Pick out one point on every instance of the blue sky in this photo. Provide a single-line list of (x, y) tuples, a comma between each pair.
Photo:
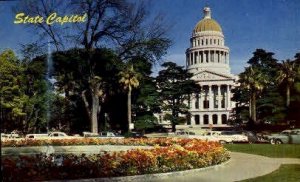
[(273, 25)]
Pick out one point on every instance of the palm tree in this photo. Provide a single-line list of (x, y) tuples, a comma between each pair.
[(287, 74), (253, 80), (130, 80)]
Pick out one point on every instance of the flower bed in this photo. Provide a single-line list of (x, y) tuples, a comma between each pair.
[(167, 155), (94, 141)]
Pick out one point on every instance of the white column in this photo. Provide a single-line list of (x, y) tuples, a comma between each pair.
[(228, 96), (204, 57), (209, 56), (190, 58), (210, 118), (200, 119), (193, 101), (201, 99), (219, 119), (219, 97), (210, 97), (215, 56), (193, 120)]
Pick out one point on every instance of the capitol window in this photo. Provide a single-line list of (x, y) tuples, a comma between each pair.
[(224, 119), (205, 119), (197, 119), (215, 119)]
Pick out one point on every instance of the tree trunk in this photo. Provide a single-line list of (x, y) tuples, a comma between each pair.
[(250, 108), (94, 114), (173, 120), (129, 109), (288, 96), (253, 108)]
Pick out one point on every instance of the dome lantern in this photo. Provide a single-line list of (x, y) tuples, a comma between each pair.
[(207, 13)]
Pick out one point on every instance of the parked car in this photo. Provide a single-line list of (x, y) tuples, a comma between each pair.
[(51, 135), (10, 136), (218, 136), (233, 136), (285, 137), (36, 136), (105, 134), (208, 136), (137, 135), (108, 134), (90, 134)]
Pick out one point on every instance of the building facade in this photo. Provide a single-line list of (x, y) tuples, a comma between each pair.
[(208, 59)]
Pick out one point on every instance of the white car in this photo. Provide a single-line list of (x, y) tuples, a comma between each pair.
[(217, 136), (10, 136), (233, 136), (52, 135), (105, 134), (208, 136), (36, 136)]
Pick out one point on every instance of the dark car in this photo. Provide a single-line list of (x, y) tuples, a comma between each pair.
[(286, 136), (137, 135)]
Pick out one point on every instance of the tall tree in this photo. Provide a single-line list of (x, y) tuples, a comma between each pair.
[(254, 81), (12, 92), (118, 24), (129, 79), (175, 85), (286, 75)]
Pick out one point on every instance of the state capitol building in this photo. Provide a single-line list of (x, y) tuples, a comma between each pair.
[(207, 59)]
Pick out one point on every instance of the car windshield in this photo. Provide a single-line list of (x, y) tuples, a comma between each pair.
[(285, 132), (295, 132)]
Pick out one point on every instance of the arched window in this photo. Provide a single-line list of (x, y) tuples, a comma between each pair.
[(224, 119), (197, 119), (205, 119), (215, 119)]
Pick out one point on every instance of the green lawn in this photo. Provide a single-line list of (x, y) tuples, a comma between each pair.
[(281, 151), (286, 173)]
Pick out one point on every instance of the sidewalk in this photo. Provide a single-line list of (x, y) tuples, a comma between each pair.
[(242, 166)]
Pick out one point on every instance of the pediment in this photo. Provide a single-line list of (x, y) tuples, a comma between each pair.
[(209, 75)]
